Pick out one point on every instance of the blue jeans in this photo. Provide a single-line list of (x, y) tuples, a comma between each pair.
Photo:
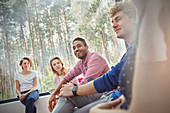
[(29, 101)]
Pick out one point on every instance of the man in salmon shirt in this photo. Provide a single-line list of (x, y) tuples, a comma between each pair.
[(91, 65)]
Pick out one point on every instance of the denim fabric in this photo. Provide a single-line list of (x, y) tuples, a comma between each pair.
[(29, 101)]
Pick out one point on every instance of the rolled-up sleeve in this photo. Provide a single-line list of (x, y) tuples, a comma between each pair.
[(108, 81), (73, 72), (96, 67)]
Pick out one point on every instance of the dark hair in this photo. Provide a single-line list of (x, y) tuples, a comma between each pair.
[(80, 39), (63, 71), (25, 58)]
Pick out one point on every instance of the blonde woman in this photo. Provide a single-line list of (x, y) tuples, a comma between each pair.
[(59, 70)]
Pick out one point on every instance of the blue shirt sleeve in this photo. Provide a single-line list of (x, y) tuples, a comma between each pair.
[(109, 81)]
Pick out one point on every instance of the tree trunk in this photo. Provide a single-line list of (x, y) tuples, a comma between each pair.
[(51, 34), (71, 58), (104, 49), (104, 45), (30, 32), (3, 76), (2, 89), (50, 45), (40, 39), (60, 36), (16, 54), (8, 52), (24, 48), (116, 46), (5, 70), (66, 47)]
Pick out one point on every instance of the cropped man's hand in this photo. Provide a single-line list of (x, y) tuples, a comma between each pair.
[(109, 105), (106, 107), (53, 105)]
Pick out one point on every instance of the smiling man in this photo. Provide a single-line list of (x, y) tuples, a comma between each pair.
[(91, 65), (80, 49)]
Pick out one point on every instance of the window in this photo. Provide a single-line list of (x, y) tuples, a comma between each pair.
[(44, 29)]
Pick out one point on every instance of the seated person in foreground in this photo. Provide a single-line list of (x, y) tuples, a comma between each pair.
[(151, 79)]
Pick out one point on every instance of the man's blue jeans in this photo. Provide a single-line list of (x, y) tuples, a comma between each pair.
[(29, 101)]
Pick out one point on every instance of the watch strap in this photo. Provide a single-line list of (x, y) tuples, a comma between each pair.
[(74, 90)]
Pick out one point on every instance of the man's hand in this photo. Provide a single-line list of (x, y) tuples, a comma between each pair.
[(103, 107), (52, 102), (109, 105), (53, 105), (66, 90)]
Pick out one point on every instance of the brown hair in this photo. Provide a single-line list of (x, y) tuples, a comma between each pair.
[(25, 58), (63, 70), (126, 6)]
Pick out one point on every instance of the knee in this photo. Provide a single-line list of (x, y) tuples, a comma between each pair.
[(59, 110), (30, 100), (33, 96), (63, 98), (61, 106)]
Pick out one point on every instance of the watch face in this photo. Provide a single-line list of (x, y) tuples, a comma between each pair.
[(74, 90)]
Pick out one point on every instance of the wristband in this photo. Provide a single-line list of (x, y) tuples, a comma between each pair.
[(74, 90)]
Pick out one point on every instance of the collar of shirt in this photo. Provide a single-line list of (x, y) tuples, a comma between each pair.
[(87, 57)]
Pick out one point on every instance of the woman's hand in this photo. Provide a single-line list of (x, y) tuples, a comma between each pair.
[(22, 97)]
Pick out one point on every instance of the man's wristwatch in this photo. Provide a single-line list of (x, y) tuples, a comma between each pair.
[(74, 90)]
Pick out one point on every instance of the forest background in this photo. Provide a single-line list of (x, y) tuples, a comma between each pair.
[(42, 29)]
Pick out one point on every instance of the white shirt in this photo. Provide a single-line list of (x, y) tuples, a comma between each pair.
[(26, 82), (61, 78)]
